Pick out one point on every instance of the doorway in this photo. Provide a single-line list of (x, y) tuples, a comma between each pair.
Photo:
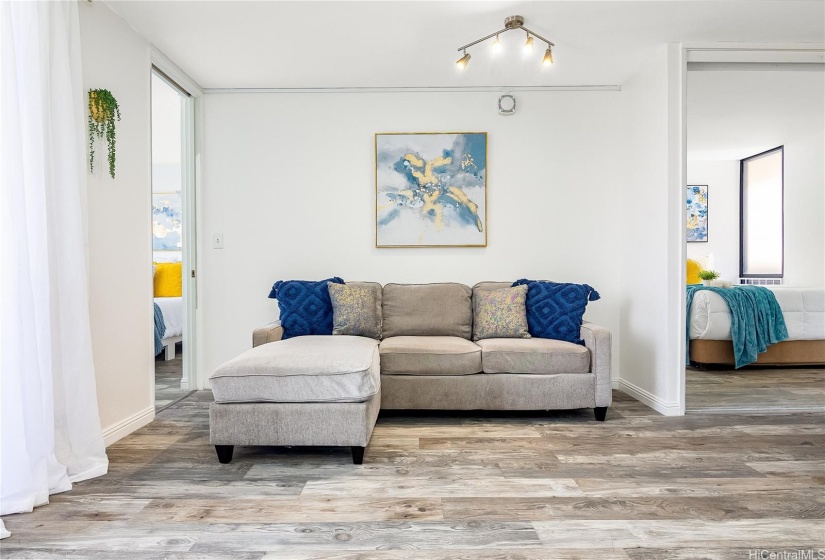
[(172, 237), (755, 144)]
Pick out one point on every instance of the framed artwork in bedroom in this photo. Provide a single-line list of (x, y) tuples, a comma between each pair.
[(697, 213), (167, 232), (431, 189)]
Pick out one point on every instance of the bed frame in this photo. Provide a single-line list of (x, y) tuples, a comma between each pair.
[(169, 347), (786, 353)]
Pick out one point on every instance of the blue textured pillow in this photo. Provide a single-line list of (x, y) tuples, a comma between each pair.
[(555, 310), (305, 306)]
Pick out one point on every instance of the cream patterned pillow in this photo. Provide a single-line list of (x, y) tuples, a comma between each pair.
[(356, 310), (500, 313)]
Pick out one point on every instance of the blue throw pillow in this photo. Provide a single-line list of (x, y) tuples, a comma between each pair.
[(305, 306), (555, 310)]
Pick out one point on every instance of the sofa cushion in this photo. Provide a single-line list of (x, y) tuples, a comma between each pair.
[(500, 313), (356, 308), (555, 310), (427, 310), (491, 286), (429, 355), (302, 369), (533, 355), (304, 305)]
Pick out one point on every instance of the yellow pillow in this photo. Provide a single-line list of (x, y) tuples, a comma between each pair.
[(169, 279), (693, 270)]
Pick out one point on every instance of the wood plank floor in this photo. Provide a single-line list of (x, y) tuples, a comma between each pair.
[(168, 374), (452, 486), (755, 390)]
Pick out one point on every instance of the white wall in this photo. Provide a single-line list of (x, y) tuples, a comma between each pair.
[(805, 210), (722, 179), (119, 229), (649, 349), (289, 181)]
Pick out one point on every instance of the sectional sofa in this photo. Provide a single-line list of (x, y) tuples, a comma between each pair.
[(328, 390)]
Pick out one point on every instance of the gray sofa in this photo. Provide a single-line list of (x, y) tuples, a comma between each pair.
[(327, 390)]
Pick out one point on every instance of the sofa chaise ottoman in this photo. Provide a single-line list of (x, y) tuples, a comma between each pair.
[(308, 390)]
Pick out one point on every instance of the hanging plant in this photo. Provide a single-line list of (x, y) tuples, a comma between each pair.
[(103, 110)]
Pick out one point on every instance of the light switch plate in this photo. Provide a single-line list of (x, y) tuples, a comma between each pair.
[(217, 241)]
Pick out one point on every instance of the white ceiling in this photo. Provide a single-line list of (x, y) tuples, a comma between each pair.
[(307, 44), (735, 114)]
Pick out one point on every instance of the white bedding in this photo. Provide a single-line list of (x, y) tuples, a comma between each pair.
[(172, 309), (803, 309)]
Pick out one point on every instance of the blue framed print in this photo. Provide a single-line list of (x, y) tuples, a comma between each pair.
[(697, 213)]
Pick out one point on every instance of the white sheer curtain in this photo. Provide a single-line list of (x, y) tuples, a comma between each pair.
[(50, 434)]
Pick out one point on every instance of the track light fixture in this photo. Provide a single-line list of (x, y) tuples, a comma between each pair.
[(511, 22), (496, 46), (461, 63), (548, 57), (528, 45)]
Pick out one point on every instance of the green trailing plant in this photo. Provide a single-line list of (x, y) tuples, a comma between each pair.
[(709, 275), (103, 111)]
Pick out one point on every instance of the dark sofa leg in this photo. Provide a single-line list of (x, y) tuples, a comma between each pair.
[(224, 453), (358, 455), (601, 413)]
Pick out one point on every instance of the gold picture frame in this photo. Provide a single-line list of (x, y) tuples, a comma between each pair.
[(431, 189)]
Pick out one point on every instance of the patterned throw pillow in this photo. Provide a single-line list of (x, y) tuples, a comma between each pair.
[(356, 310), (555, 310), (500, 313), (305, 306)]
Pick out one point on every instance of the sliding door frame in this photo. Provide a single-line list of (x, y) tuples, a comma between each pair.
[(190, 130)]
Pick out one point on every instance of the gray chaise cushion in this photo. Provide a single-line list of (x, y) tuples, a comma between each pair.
[(429, 355), (533, 355), (301, 369), (428, 310)]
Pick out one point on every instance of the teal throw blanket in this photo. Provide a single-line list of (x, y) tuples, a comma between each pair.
[(160, 329), (756, 320)]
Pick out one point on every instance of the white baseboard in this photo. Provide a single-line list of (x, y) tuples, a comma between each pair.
[(659, 405), (128, 425), (614, 383)]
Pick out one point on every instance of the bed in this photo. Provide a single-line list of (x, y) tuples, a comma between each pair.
[(172, 311), (802, 308)]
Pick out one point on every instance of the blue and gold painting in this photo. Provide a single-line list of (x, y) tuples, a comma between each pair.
[(697, 213), (431, 189), (166, 222)]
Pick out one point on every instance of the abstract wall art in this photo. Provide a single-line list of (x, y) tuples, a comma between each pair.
[(697, 213), (431, 189), (166, 222)]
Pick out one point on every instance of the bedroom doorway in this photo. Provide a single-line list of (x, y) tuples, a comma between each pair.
[(754, 176), (172, 243)]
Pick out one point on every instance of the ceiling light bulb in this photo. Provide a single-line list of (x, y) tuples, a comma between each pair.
[(528, 45), (461, 63), (548, 57), (496, 46)]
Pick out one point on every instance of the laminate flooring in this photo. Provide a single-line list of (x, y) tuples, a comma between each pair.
[(168, 374), (543, 485), (755, 390)]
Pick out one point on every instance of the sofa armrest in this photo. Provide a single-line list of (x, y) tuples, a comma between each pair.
[(598, 340), (269, 333)]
